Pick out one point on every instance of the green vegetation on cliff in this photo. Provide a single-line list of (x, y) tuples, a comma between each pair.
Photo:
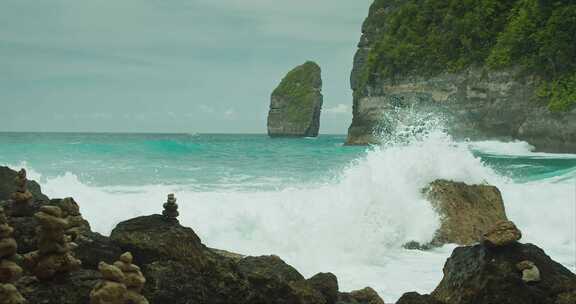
[(301, 87), (428, 37)]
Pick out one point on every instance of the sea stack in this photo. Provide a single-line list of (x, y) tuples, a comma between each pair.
[(296, 103)]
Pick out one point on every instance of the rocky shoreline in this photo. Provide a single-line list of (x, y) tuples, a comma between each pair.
[(168, 263)]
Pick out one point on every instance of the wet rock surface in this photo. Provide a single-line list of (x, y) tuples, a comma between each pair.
[(466, 211)]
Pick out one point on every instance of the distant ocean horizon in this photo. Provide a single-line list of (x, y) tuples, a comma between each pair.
[(318, 204)]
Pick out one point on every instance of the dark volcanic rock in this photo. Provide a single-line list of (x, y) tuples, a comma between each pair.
[(362, 296), (327, 285), (296, 103), (488, 275), (466, 211), (152, 238), (94, 248), (7, 186), (70, 289), (268, 267), (416, 298)]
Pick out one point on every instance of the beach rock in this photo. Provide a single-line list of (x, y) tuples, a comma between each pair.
[(466, 211), (73, 288), (327, 285), (296, 103), (8, 187), (268, 267), (502, 234), (566, 298), (77, 225), (486, 275), (362, 296), (152, 238), (416, 298)]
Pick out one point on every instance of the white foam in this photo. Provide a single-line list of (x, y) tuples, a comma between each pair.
[(354, 225)]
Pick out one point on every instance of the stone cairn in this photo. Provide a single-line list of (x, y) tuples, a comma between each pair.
[(9, 270), (121, 283), (77, 225), (133, 279), (54, 254), (21, 198), (171, 208), (111, 290)]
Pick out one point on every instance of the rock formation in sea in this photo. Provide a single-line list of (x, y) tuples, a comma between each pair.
[(54, 255), (423, 72), (505, 271), (296, 103), (466, 211), (180, 269), (10, 271)]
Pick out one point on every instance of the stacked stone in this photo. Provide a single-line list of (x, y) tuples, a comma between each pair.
[(9, 270), (111, 290), (54, 254), (133, 279), (171, 208), (77, 225), (21, 198)]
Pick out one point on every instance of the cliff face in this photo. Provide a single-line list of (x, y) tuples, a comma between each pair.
[(296, 103), (476, 101)]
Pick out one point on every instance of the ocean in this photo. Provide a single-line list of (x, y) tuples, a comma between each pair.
[(320, 205)]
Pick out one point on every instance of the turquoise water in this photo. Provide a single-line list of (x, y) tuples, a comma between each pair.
[(319, 205), (211, 161)]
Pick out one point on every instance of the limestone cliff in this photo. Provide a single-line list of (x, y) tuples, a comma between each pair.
[(296, 103), (477, 101)]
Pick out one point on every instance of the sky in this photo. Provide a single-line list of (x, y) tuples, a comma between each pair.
[(192, 66)]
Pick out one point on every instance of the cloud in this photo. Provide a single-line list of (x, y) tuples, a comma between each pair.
[(338, 109)]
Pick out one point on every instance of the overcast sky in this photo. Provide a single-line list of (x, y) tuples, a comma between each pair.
[(168, 65)]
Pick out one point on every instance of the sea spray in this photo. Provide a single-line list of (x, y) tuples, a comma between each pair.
[(353, 224)]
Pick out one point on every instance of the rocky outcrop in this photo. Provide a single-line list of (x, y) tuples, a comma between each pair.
[(466, 211), (175, 266), (296, 103), (503, 272), (476, 103), (8, 186)]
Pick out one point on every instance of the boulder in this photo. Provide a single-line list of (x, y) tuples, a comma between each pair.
[(327, 285), (296, 103), (416, 298), (71, 289), (362, 296), (502, 234), (153, 238), (466, 211), (486, 275)]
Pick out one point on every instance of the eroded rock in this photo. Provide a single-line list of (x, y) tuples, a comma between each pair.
[(501, 234), (466, 211)]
